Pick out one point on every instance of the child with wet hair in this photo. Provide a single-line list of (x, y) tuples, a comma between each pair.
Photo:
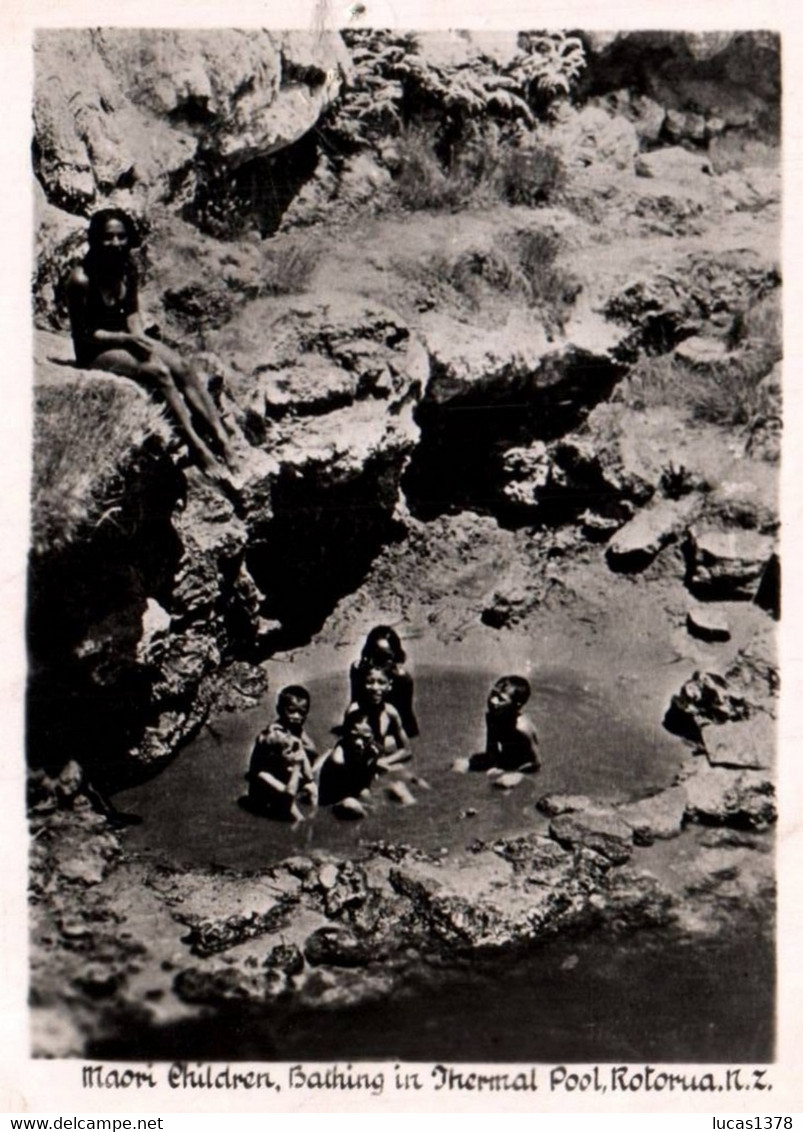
[(280, 773), (384, 648), (511, 741)]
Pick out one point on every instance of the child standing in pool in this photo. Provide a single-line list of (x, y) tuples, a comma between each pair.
[(383, 648), (511, 741), (281, 768)]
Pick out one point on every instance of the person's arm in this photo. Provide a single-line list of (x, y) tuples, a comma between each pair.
[(309, 783), (396, 732), (403, 700)]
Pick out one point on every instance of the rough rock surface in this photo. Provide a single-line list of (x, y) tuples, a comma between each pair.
[(657, 817), (327, 407), (717, 796), (120, 114), (708, 624), (728, 564), (637, 542), (742, 743)]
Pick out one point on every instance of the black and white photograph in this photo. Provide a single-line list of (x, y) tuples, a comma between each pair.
[(403, 580)]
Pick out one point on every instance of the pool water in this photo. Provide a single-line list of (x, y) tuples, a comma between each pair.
[(591, 743), (652, 996)]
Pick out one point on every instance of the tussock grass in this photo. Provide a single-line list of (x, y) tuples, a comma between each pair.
[(525, 264), (483, 171), (286, 268), (87, 437), (727, 396)]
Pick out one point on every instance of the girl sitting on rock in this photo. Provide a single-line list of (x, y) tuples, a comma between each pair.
[(383, 649), (107, 333)]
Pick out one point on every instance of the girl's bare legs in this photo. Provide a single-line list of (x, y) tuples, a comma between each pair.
[(196, 393), (157, 375)]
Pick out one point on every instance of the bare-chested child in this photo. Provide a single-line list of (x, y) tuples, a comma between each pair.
[(383, 718), (281, 768), (511, 741)]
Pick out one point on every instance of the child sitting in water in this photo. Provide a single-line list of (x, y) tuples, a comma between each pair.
[(511, 743), (384, 720), (280, 772), (351, 766), (383, 648)]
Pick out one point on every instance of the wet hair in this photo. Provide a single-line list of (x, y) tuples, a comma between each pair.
[(98, 222), (517, 686), (292, 692), (383, 633)]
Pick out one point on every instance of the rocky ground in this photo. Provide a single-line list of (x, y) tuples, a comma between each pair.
[(589, 471)]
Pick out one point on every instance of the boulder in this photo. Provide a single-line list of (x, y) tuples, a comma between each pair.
[(657, 817), (593, 136), (672, 163), (509, 780), (741, 743), (602, 831), (765, 439), (636, 543), (708, 624), (728, 564), (707, 697), (648, 118), (706, 355), (507, 605), (717, 796), (336, 947), (598, 528), (554, 804)]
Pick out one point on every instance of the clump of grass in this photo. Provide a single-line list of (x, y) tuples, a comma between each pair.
[(86, 438), (728, 398), (525, 264), (287, 268), (484, 169), (421, 180), (726, 395), (530, 174), (550, 287)]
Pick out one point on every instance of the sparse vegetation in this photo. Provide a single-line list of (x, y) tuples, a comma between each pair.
[(461, 134), (287, 267), (87, 437), (677, 481), (526, 265), (485, 169), (726, 395)]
